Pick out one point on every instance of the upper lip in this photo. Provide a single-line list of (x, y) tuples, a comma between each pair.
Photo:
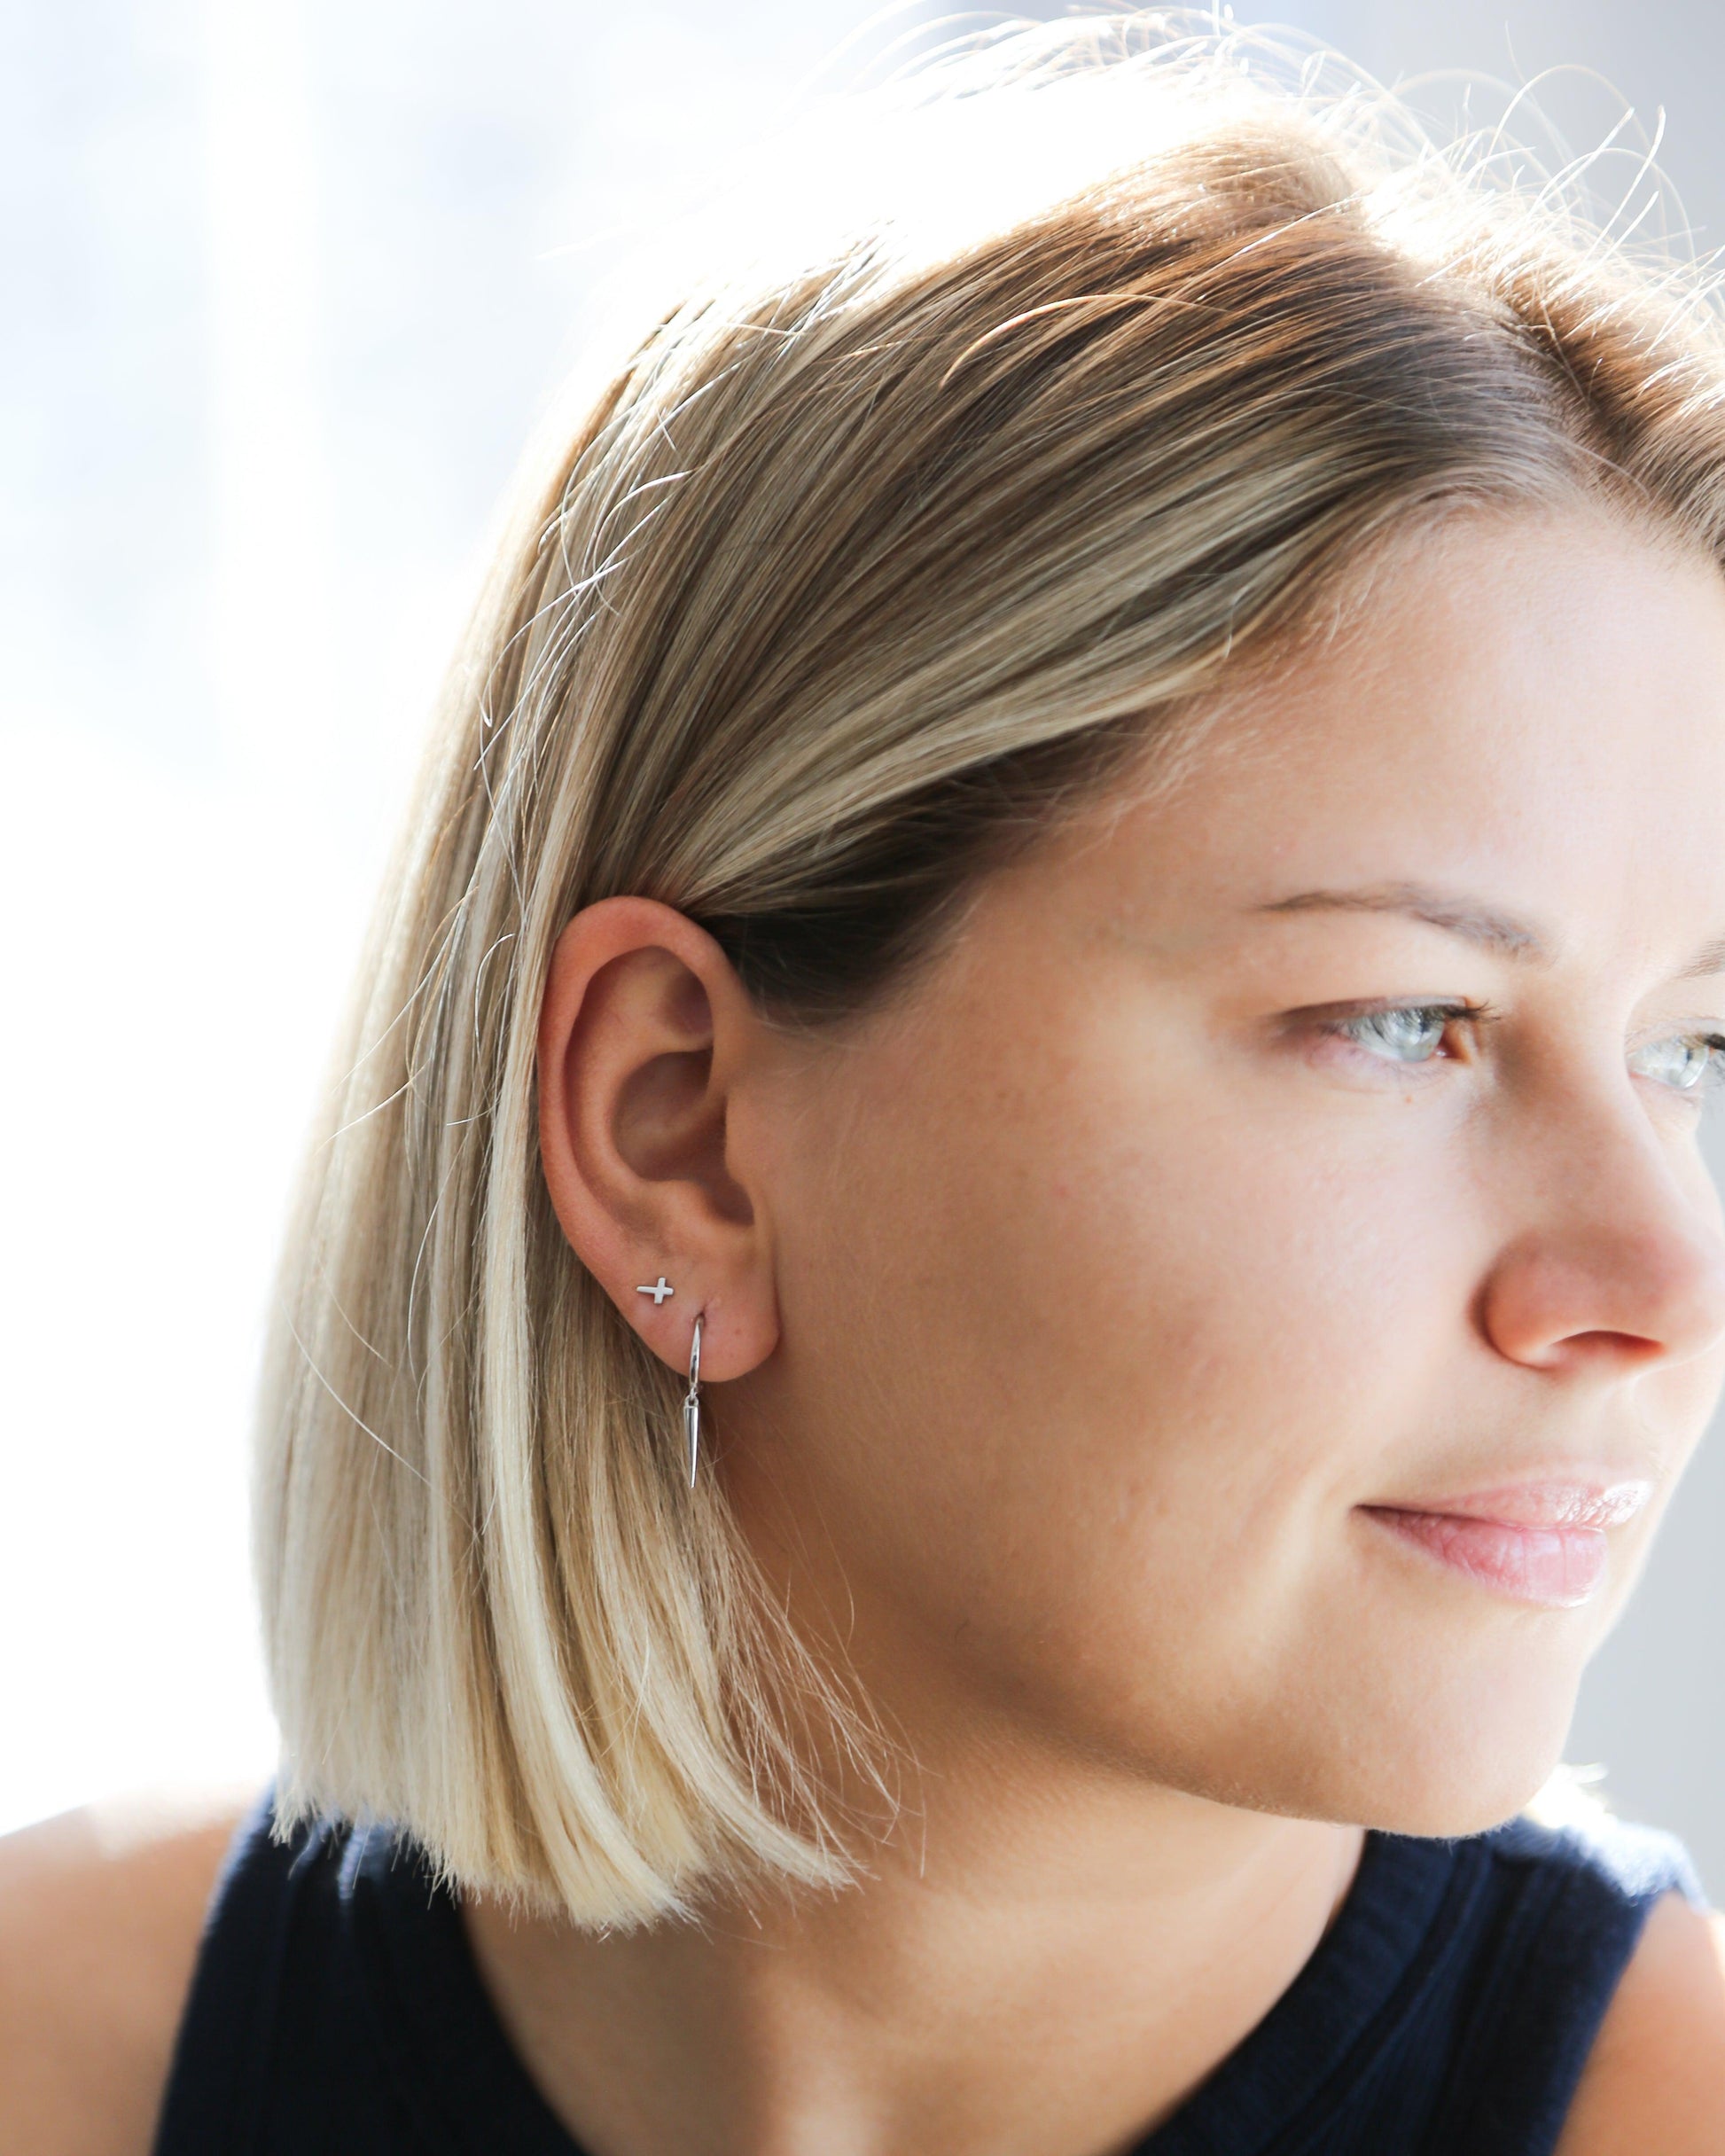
[(1551, 1503)]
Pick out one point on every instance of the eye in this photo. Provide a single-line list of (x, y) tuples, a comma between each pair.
[(1686, 1062), (1405, 1033)]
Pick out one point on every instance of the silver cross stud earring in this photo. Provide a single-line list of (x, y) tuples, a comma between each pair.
[(657, 1290)]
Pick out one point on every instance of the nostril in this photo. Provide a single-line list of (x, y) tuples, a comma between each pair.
[(1600, 1306), (1618, 1347)]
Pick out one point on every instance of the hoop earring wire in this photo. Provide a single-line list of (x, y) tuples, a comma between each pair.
[(691, 1404)]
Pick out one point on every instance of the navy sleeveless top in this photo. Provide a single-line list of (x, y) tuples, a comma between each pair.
[(336, 2009)]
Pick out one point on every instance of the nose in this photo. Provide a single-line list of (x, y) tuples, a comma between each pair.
[(1622, 1263)]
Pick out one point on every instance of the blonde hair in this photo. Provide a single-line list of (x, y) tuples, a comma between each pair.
[(856, 576)]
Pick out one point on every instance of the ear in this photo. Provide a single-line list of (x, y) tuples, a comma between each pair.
[(644, 1033)]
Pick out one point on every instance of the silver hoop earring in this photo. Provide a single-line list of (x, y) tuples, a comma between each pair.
[(691, 1404)]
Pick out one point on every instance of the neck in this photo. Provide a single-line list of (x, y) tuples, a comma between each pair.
[(1044, 1973)]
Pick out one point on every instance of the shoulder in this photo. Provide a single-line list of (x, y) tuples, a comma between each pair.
[(1655, 2078), (100, 1915)]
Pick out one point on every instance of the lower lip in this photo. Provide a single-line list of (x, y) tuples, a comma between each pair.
[(1552, 1568)]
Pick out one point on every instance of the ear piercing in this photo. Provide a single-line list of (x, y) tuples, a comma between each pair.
[(691, 1404), (691, 1400)]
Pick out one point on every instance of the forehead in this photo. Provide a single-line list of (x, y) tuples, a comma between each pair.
[(1534, 705)]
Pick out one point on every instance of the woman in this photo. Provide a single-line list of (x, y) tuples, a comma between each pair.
[(1012, 1258)]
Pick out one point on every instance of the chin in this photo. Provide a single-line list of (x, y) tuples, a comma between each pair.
[(1448, 1780), (1445, 1759), (1452, 1730), (1460, 1806)]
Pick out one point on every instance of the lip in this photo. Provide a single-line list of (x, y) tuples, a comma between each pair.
[(1542, 1543)]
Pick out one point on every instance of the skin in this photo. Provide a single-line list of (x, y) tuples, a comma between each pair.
[(1070, 1318), (99, 1916)]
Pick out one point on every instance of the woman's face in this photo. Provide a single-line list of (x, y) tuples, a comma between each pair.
[(1243, 1313)]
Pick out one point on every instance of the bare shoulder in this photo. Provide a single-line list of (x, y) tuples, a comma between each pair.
[(100, 1914), (1656, 2078)]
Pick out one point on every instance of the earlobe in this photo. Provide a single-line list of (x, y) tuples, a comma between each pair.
[(644, 1034)]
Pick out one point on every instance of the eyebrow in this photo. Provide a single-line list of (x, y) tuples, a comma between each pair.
[(1454, 912), (1709, 960), (1473, 919)]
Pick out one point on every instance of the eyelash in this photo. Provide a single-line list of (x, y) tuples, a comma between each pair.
[(1714, 1077), (1473, 1015), (1478, 1015)]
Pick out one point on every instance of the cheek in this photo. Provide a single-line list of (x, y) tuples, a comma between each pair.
[(1119, 1335), (1104, 1355)]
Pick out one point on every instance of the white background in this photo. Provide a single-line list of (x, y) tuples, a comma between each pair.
[(283, 288)]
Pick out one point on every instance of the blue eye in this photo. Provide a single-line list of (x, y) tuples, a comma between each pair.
[(1411, 1033), (1685, 1061)]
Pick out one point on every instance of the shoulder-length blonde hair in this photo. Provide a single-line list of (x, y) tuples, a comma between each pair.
[(855, 578)]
